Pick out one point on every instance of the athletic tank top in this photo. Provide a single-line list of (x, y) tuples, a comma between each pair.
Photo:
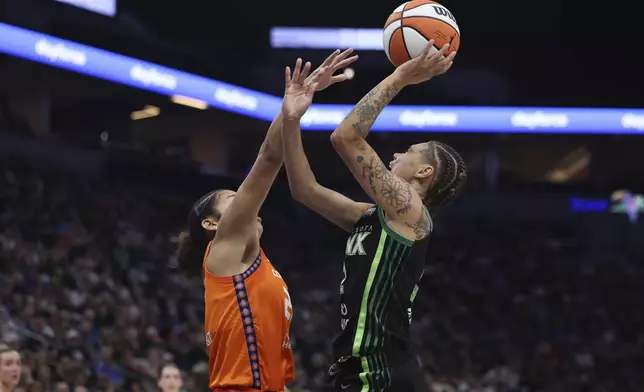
[(247, 323), (382, 270)]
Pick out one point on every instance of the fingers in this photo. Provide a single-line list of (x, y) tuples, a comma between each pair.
[(428, 49), (344, 63), (329, 60), (305, 72), (442, 51), (312, 88), (343, 55), (287, 76), (317, 76), (296, 70), (338, 78)]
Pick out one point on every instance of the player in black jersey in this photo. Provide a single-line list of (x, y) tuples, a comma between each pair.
[(386, 249)]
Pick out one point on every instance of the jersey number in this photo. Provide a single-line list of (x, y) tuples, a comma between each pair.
[(288, 307)]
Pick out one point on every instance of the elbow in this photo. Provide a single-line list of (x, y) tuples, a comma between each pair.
[(337, 139), (341, 140)]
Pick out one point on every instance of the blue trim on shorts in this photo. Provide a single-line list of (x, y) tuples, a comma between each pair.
[(247, 320)]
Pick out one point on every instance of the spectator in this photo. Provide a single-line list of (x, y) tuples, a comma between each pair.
[(507, 306), (10, 368)]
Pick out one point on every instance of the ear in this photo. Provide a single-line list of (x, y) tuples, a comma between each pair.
[(209, 224), (424, 172)]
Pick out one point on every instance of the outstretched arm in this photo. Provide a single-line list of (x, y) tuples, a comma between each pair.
[(395, 195), (254, 189), (335, 207)]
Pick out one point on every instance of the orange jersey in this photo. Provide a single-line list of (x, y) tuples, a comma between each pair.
[(247, 323)]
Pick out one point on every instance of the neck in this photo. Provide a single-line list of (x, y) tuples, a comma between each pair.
[(5, 387), (420, 186)]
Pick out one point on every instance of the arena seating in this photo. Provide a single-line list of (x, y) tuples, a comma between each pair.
[(89, 296)]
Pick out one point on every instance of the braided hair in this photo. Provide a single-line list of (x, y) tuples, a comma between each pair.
[(449, 179), (195, 239)]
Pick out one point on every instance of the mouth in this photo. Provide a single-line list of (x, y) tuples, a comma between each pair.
[(391, 164)]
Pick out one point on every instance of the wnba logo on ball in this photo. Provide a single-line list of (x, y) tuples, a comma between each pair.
[(444, 12)]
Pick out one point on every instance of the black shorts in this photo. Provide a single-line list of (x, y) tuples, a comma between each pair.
[(380, 373)]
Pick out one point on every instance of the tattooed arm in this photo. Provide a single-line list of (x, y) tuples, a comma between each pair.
[(401, 203)]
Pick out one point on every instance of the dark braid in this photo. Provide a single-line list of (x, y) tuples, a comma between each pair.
[(449, 179)]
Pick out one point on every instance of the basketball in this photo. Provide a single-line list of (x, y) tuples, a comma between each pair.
[(413, 24)]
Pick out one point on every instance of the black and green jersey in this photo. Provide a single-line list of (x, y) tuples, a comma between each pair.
[(382, 270)]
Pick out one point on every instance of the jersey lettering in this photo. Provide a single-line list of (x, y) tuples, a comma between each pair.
[(286, 343), (354, 244), (276, 274), (288, 307), (208, 339)]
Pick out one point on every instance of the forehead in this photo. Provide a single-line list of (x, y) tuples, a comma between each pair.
[(224, 197), (170, 371), (10, 355), (418, 147), (225, 194)]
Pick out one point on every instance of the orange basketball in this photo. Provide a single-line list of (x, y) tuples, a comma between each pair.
[(413, 24)]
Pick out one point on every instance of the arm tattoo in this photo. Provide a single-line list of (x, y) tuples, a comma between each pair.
[(395, 192), (370, 106), (422, 227)]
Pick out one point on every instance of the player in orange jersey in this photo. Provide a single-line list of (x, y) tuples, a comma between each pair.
[(248, 307)]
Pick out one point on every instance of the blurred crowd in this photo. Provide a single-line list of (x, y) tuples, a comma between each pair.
[(90, 299)]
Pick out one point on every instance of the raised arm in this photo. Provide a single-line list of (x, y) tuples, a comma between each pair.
[(395, 195), (254, 189), (332, 205)]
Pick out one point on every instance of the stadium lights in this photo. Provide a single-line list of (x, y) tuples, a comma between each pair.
[(190, 102), (144, 75), (147, 112)]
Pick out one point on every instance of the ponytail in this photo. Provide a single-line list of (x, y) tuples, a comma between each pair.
[(193, 242)]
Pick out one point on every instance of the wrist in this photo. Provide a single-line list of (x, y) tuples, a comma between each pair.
[(398, 79), (291, 118)]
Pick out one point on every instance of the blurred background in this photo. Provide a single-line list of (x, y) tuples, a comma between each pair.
[(116, 114)]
